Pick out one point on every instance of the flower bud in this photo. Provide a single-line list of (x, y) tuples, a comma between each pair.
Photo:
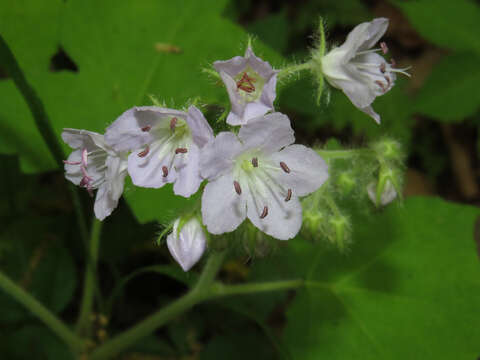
[(187, 242), (346, 182), (340, 231), (388, 150), (381, 193)]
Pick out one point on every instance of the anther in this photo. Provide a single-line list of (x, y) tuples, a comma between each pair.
[(264, 212), (237, 187), (383, 68), (165, 171), (181, 150), (246, 83), (146, 128), (393, 62), (255, 162), (284, 167), (173, 123), (384, 47), (144, 152), (382, 85), (289, 195)]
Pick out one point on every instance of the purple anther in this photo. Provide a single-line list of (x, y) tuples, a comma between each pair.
[(237, 187), (264, 212)]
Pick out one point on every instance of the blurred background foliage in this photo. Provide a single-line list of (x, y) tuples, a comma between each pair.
[(409, 286)]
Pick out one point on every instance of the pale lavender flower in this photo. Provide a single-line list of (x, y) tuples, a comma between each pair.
[(188, 244), (259, 175), (165, 143), (358, 70), (95, 165), (251, 86)]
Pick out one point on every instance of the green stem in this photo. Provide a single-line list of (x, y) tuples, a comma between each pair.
[(220, 290), (42, 122), (83, 323), (293, 69), (42, 313), (199, 293), (344, 154)]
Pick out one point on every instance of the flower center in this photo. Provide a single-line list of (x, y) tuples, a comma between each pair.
[(249, 84), (259, 176)]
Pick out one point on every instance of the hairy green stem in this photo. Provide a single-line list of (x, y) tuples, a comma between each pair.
[(42, 313), (83, 323), (40, 117), (293, 69), (344, 154), (199, 293)]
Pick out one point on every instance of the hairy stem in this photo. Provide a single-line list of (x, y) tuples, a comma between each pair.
[(42, 313), (199, 293), (220, 290), (86, 306)]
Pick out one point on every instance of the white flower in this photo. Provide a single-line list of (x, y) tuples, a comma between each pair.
[(187, 245), (358, 70), (388, 195), (250, 84), (95, 165), (259, 175), (165, 143)]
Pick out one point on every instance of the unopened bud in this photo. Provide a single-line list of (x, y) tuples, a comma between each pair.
[(388, 150), (381, 193), (346, 182), (187, 242), (340, 231)]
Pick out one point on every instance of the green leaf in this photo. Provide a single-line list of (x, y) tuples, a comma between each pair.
[(451, 24), (451, 90), (409, 289), (37, 260), (121, 51)]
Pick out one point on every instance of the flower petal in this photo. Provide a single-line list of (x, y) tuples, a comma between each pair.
[(104, 202), (263, 68), (370, 112), (231, 67), (147, 171), (201, 130), (74, 172), (268, 133), (223, 210), (83, 139), (115, 175), (307, 170), (217, 156), (188, 172), (363, 37), (283, 220), (188, 246), (126, 134)]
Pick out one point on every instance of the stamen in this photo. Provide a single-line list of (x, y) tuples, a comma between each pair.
[(181, 150), (146, 128), (388, 80), (382, 85), (165, 171), (284, 167), (384, 47), (246, 83), (84, 157), (144, 152), (289, 195), (237, 187), (383, 68), (393, 62), (255, 162), (72, 162), (173, 123), (264, 212)]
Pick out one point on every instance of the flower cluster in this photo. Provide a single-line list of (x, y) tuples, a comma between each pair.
[(254, 172)]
